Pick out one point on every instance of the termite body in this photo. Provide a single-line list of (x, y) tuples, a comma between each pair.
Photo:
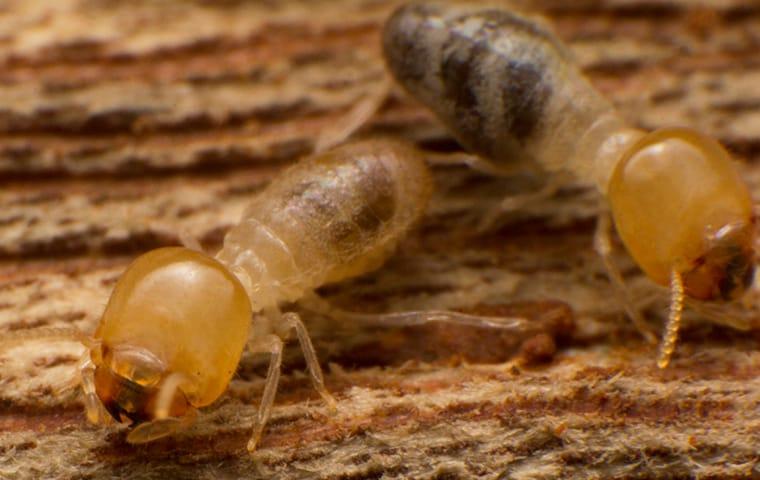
[(177, 322), (508, 90)]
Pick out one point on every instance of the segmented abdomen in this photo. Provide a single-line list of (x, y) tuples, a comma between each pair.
[(328, 217), (502, 83)]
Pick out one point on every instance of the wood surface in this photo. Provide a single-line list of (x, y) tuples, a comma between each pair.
[(125, 123)]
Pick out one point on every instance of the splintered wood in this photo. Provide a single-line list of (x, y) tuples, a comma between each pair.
[(123, 124)]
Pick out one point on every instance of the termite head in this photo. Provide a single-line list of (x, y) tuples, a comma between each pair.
[(681, 207), (128, 382), (168, 342)]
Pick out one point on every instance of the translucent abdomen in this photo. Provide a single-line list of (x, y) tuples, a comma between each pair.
[(502, 83), (329, 217)]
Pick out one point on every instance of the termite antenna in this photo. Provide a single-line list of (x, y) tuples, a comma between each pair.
[(670, 336), (66, 334)]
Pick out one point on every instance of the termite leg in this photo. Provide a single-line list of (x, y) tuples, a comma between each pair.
[(189, 241), (317, 304), (355, 119), (292, 320), (94, 409), (603, 247), (84, 366), (474, 162), (737, 316), (271, 344), (66, 334), (490, 220), (670, 337), (67, 385)]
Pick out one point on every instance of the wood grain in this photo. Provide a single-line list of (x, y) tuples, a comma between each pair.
[(125, 123)]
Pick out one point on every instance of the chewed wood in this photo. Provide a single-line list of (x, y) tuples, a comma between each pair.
[(111, 143)]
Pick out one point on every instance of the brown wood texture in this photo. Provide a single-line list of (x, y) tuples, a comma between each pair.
[(123, 123)]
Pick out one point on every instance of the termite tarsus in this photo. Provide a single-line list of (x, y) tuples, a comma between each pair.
[(508, 90), (177, 321)]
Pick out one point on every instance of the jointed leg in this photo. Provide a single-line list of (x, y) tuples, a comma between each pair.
[(411, 318), (474, 162), (603, 247), (516, 202), (72, 383), (670, 337), (67, 334), (292, 320), (271, 344), (738, 316), (188, 240), (356, 118), (94, 409)]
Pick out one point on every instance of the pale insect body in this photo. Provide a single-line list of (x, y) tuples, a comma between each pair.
[(178, 320), (508, 90), (327, 219)]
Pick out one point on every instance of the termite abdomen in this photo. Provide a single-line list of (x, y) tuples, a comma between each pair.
[(332, 216), (497, 80)]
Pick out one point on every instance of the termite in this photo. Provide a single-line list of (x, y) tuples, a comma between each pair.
[(509, 91), (177, 322)]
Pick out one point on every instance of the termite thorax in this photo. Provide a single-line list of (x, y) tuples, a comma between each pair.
[(601, 148), (262, 262)]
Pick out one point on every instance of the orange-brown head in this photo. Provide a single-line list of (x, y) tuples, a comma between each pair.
[(680, 206), (170, 338)]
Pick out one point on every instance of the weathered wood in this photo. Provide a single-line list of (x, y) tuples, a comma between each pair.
[(122, 123)]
